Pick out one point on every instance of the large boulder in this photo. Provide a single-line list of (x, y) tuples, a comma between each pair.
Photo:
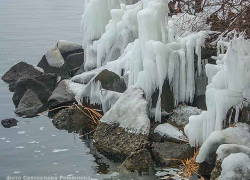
[(42, 92), (8, 123), (167, 153), (73, 120), (61, 96), (20, 70), (125, 127), (30, 105), (55, 59)]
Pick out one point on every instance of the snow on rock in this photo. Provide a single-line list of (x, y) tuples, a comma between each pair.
[(54, 57), (236, 166), (130, 112), (226, 149), (169, 131), (228, 80), (66, 46), (240, 135), (182, 113)]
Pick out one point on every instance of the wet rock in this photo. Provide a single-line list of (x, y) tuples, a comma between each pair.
[(164, 153), (167, 99), (29, 105), (116, 143), (111, 81), (20, 70), (12, 87), (206, 168), (73, 120), (42, 92), (139, 161), (8, 123), (61, 96), (167, 132), (181, 115)]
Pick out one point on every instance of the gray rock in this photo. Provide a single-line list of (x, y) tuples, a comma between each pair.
[(140, 161), (200, 90), (164, 153), (73, 120), (61, 96), (116, 143), (8, 123), (42, 92), (167, 99), (111, 81), (29, 105), (181, 115), (75, 60), (20, 70)]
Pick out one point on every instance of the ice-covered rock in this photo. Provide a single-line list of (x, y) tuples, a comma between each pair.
[(234, 135), (181, 114), (125, 127), (223, 152), (168, 132), (20, 70), (236, 166)]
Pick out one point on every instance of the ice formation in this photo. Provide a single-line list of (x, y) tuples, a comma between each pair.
[(235, 166), (130, 111), (228, 79), (135, 40), (239, 135), (170, 131)]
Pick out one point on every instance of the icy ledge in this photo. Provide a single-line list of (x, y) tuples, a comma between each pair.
[(130, 112)]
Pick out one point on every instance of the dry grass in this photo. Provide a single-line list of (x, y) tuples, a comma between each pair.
[(188, 166), (94, 115)]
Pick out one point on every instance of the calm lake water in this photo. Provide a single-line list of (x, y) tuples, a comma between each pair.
[(35, 147)]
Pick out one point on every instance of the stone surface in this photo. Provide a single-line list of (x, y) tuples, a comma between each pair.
[(140, 161), (8, 123), (61, 96), (116, 143), (29, 105), (111, 81), (167, 99), (20, 70), (42, 92), (164, 153), (181, 115), (205, 168), (73, 120), (200, 90), (216, 171)]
